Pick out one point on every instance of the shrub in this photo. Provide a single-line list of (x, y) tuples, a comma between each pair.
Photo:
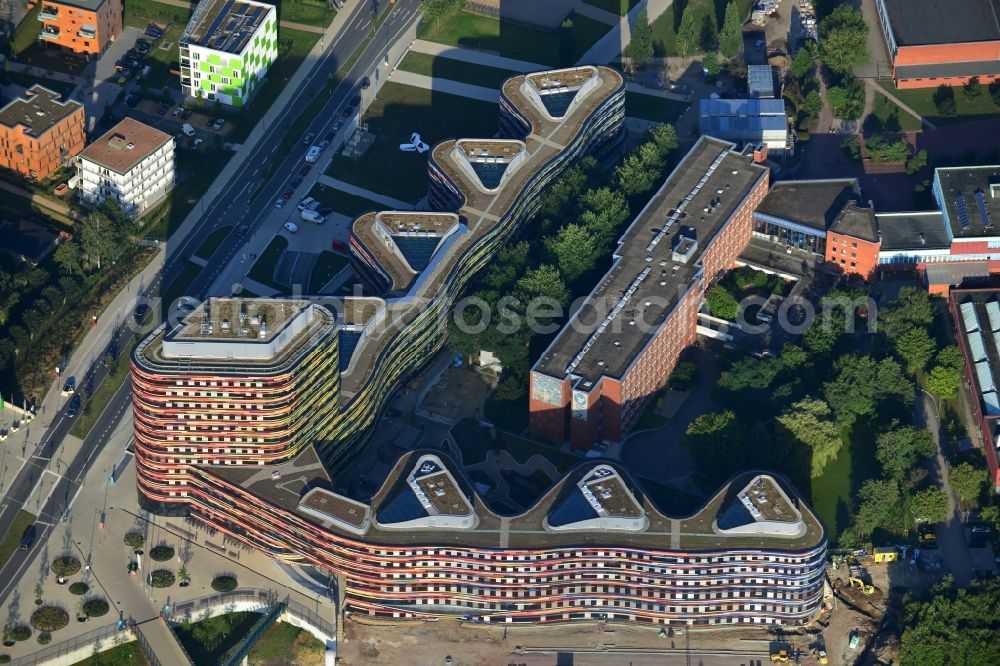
[(134, 539), (79, 589), (96, 607), (224, 583), (162, 578), (67, 565), (161, 553), (18, 633), (4, 658), (944, 101), (684, 376), (44, 638), (49, 618)]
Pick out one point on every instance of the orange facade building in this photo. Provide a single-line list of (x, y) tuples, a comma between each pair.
[(853, 242), (933, 43), (38, 132), (81, 26)]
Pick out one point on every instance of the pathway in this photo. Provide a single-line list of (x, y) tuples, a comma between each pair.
[(42, 201), (596, 13), (284, 24), (610, 46), (474, 57), (361, 192), (436, 84), (656, 92), (873, 84)]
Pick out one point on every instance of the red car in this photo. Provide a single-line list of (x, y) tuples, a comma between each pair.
[(305, 170)]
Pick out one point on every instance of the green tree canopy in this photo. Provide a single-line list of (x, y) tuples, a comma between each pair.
[(605, 211), (930, 504), (435, 10), (952, 627), (543, 282), (915, 347), (812, 104), (69, 257), (950, 357), (575, 251), (804, 63), (721, 303), (844, 39), (731, 35), (687, 33), (879, 507), (716, 444), (640, 48), (944, 381), (912, 308), (900, 450), (968, 481), (837, 98), (809, 420)]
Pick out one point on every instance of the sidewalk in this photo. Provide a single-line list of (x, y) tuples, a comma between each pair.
[(596, 13), (474, 57), (491, 95), (655, 92), (610, 46), (396, 204), (44, 202)]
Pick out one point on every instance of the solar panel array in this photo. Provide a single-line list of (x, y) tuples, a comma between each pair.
[(984, 212), (963, 212)]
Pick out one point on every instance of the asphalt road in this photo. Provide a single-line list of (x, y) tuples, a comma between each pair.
[(229, 208)]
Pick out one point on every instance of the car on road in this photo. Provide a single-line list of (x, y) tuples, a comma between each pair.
[(323, 144), (291, 227), (306, 202), (296, 182), (163, 108), (69, 387), (308, 138), (304, 171), (337, 124), (73, 406), (365, 82), (28, 536), (178, 111), (141, 312)]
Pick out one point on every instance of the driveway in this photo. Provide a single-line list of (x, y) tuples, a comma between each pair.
[(105, 89), (879, 60)]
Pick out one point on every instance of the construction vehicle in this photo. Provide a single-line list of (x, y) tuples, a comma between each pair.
[(854, 639), (820, 656), (862, 585), (780, 656)]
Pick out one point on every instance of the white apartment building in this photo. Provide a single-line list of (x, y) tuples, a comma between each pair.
[(132, 162), (226, 49)]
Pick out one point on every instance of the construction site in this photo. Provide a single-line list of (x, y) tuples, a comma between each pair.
[(847, 630)]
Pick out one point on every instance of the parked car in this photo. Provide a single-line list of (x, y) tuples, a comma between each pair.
[(356, 100), (337, 124), (280, 201), (365, 82), (313, 154), (312, 216), (69, 387), (131, 100), (306, 201), (197, 142), (163, 108), (187, 129), (154, 31), (323, 210), (287, 194), (296, 182), (304, 171), (308, 138), (348, 111), (323, 144), (186, 114), (177, 112), (218, 123), (143, 46), (292, 227), (73, 406)]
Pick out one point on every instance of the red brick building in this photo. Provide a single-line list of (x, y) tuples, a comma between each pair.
[(39, 132), (852, 241), (933, 43), (617, 351)]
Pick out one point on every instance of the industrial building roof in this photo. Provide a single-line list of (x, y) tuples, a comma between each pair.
[(225, 25), (655, 263), (908, 231), (923, 22), (762, 81), (811, 203), (948, 69), (971, 199), (125, 145), (980, 310), (38, 111), (857, 222)]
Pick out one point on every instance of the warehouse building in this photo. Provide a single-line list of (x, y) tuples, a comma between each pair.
[(747, 121)]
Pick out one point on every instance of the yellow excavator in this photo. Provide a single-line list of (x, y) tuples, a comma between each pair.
[(780, 656), (820, 656), (862, 585)]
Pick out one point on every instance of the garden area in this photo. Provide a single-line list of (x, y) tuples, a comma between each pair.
[(947, 106), (126, 654), (284, 644), (310, 12), (397, 111), (558, 48), (209, 639)]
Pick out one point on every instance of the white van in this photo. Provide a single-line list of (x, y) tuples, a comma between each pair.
[(313, 154), (187, 129), (312, 216)]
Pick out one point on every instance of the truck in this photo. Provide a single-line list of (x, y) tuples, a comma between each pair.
[(309, 215), (28, 537)]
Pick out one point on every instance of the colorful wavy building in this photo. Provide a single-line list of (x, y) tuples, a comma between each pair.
[(243, 410)]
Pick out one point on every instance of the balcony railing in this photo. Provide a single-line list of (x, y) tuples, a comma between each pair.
[(88, 31), (49, 33), (48, 13)]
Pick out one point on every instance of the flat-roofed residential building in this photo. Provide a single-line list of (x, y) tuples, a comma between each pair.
[(618, 349), (39, 133), (755, 121), (933, 43), (132, 163), (81, 26), (226, 50)]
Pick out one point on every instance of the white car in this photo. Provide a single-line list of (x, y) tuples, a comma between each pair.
[(313, 154), (291, 227), (306, 202)]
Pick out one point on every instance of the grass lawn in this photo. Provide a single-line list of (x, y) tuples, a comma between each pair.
[(206, 641), (27, 31), (196, 173), (95, 405), (887, 117), (13, 206), (509, 415), (512, 40), (651, 107), (284, 643), (620, 7), (521, 449), (399, 110), (833, 492), (126, 654), (921, 100), (455, 70), (310, 12), (263, 269), (213, 242), (327, 266), (39, 55), (350, 205), (12, 540)]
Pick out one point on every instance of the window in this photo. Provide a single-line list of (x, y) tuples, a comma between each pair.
[(854, 244)]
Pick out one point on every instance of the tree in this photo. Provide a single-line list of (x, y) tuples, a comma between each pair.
[(664, 137), (950, 357), (878, 508), (837, 97), (101, 237), (575, 251), (915, 347), (716, 444), (68, 256), (804, 63), (605, 211), (968, 481), (901, 449), (640, 48), (949, 626), (994, 89), (861, 384), (435, 10), (731, 35), (973, 89), (687, 33), (916, 162), (944, 381), (820, 339), (812, 105), (543, 282), (929, 504), (711, 64), (809, 420), (944, 101), (721, 303), (844, 39), (912, 307)]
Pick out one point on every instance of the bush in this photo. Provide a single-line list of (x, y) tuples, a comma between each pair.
[(684, 376), (134, 539), (224, 583), (67, 565), (96, 607), (722, 304), (4, 658), (79, 589), (851, 146), (18, 633), (162, 578), (49, 618), (161, 553), (944, 101), (44, 638)]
